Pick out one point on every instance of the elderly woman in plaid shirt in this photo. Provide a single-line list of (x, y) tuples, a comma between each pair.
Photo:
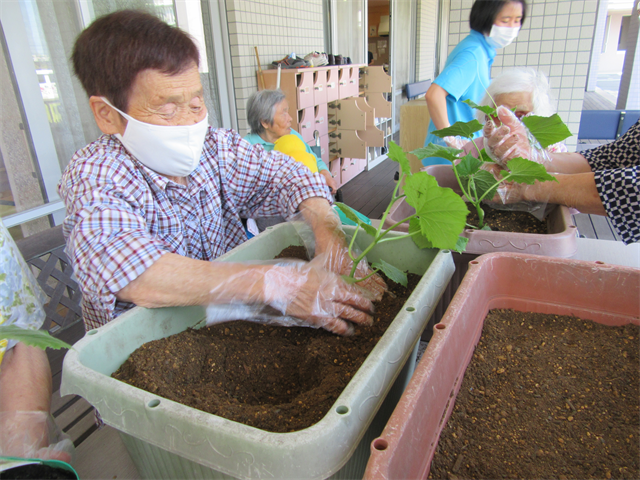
[(161, 194)]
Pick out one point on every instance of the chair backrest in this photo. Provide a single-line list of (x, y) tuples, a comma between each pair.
[(606, 124), (413, 90), (44, 252)]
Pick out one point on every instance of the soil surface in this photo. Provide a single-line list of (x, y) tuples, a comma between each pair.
[(545, 396), (275, 378), (37, 471), (507, 221)]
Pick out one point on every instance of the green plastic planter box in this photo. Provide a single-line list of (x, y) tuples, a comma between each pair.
[(169, 440)]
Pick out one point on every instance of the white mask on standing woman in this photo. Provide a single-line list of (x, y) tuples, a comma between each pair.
[(500, 37), (172, 150)]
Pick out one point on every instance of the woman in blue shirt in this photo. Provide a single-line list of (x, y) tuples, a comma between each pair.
[(467, 72)]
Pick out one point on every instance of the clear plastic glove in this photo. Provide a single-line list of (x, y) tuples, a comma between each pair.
[(294, 293), (456, 142), (34, 435), (511, 139), (335, 253)]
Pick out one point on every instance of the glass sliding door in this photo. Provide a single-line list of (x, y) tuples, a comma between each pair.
[(45, 112), (348, 29)]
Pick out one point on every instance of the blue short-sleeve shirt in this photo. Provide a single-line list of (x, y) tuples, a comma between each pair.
[(466, 75)]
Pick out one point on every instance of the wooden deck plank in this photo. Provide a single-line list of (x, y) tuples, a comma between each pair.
[(103, 455), (595, 101), (371, 190), (585, 228), (604, 229)]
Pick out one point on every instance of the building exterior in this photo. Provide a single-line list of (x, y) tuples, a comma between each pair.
[(45, 113)]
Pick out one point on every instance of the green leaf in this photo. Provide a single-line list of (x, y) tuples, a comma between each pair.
[(461, 244), (419, 239), (34, 338), (350, 214), (462, 129), (433, 150), (484, 109), (547, 130), (485, 181), (468, 165), (397, 155), (526, 171), (484, 157), (442, 212), (392, 272)]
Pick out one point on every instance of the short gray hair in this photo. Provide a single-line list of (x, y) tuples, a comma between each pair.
[(261, 107), (521, 80)]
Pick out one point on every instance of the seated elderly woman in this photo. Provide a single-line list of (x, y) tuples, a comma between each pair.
[(524, 91), (270, 122), (269, 119)]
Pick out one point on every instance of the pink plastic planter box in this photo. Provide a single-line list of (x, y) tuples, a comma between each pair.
[(603, 293), (560, 242)]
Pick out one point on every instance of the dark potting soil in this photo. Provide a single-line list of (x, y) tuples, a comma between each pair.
[(508, 221), (275, 378), (545, 396), (36, 471)]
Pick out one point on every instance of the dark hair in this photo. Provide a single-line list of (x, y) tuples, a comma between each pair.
[(109, 53), (484, 13)]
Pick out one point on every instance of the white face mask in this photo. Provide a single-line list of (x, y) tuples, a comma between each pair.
[(172, 150), (500, 37)]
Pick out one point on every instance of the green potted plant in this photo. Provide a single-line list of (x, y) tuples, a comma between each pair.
[(467, 176)]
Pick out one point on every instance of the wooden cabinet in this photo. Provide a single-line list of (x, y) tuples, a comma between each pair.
[(344, 104)]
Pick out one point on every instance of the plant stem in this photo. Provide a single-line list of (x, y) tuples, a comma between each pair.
[(394, 199), (373, 272), (391, 239)]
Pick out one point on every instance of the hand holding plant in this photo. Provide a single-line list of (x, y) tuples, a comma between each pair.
[(506, 142)]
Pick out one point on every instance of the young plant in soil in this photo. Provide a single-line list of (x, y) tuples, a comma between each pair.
[(439, 219), (478, 184)]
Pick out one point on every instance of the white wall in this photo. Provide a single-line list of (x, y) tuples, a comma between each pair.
[(277, 28), (555, 39)]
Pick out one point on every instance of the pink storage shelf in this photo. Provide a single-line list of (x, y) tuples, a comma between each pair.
[(603, 293), (560, 242)]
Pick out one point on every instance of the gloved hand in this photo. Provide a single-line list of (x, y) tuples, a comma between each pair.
[(456, 141), (34, 435), (297, 292), (330, 243), (507, 138)]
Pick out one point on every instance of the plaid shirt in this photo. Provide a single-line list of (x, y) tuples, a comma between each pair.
[(122, 216)]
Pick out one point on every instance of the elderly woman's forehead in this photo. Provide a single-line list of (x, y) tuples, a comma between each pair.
[(513, 99)]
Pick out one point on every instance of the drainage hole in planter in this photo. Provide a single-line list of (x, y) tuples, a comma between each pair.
[(92, 332), (440, 326), (446, 251), (380, 444), (598, 262), (473, 262), (342, 410), (153, 403), (410, 309)]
